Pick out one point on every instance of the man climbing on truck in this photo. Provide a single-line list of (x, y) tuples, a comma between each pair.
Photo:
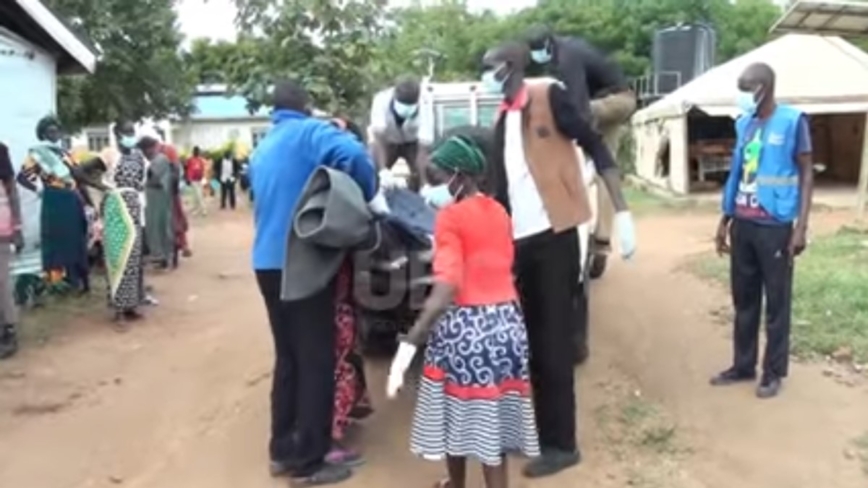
[(395, 128)]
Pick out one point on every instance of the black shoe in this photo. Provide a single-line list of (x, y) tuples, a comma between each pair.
[(327, 475), (769, 388), (731, 376), (8, 341), (551, 462)]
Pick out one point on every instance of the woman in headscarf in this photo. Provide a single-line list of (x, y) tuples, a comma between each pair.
[(352, 402), (63, 222), (159, 230), (122, 213), (474, 395)]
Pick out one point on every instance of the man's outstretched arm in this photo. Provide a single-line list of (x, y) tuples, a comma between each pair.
[(571, 124)]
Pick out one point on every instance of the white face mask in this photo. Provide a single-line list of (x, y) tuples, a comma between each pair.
[(541, 56), (747, 101), (438, 196), (492, 83), (404, 110), (128, 141)]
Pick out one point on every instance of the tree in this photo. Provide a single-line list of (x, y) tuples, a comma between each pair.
[(624, 28), (328, 45), (140, 72)]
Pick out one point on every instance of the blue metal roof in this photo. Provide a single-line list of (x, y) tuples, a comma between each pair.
[(219, 106)]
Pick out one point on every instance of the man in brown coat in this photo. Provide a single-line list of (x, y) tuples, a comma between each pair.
[(536, 175)]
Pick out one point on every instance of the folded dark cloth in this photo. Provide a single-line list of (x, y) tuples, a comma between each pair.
[(410, 213)]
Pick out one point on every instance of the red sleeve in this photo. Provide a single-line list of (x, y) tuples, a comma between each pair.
[(448, 252)]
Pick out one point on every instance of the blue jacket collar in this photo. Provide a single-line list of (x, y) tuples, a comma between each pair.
[(279, 115)]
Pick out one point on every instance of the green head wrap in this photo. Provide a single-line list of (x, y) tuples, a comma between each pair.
[(459, 154)]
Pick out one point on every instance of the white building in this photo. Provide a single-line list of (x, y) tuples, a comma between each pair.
[(219, 118), (35, 47)]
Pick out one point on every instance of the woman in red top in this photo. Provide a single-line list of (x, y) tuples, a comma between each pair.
[(474, 395)]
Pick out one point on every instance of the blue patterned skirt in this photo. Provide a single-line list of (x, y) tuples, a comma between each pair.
[(474, 396)]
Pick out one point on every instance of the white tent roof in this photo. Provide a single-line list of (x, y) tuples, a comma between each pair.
[(815, 73)]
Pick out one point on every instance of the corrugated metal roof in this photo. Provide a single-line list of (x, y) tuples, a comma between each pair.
[(827, 17), (817, 74), (213, 106)]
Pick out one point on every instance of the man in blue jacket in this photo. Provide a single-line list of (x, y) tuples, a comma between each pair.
[(302, 394), (766, 202)]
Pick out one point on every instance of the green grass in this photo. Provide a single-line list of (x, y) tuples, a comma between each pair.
[(644, 202), (40, 323), (830, 304)]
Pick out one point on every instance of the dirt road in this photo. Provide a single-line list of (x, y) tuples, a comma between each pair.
[(181, 400)]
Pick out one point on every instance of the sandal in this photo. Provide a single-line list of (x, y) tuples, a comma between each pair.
[(339, 456), (327, 475)]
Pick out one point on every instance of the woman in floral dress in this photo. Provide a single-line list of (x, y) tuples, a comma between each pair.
[(122, 224), (352, 402)]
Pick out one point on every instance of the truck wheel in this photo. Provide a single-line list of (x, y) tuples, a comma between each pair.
[(598, 265)]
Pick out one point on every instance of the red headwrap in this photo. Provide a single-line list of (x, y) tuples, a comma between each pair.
[(170, 152)]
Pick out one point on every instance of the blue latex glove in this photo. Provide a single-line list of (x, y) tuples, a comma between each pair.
[(626, 234)]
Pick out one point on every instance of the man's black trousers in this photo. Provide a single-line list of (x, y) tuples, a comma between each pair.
[(227, 192), (547, 268), (760, 265), (303, 389)]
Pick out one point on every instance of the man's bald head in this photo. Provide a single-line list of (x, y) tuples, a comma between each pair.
[(515, 55), (407, 90), (539, 36), (756, 76), (759, 80), (290, 95)]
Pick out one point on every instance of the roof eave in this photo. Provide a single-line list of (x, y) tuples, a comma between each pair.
[(84, 57)]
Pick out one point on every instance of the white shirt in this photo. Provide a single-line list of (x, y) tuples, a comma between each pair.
[(226, 171), (529, 215), (384, 123)]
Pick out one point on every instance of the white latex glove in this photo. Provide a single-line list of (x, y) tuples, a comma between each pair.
[(388, 180), (378, 204), (626, 233), (403, 358)]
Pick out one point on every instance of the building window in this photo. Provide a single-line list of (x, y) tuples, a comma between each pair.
[(97, 141), (257, 135), (66, 143)]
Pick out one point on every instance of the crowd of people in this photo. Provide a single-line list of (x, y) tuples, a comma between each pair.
[(498, 374), (498, 371), (119, 211)]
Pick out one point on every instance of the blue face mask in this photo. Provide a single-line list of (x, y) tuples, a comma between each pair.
[(491, 84), (541, 56), (404, 110), (128, 142), (746, 101)]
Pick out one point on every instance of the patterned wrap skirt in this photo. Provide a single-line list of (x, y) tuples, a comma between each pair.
[(474, 397)]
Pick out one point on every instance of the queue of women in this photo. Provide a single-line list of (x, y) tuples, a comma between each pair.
[(139, 181)]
